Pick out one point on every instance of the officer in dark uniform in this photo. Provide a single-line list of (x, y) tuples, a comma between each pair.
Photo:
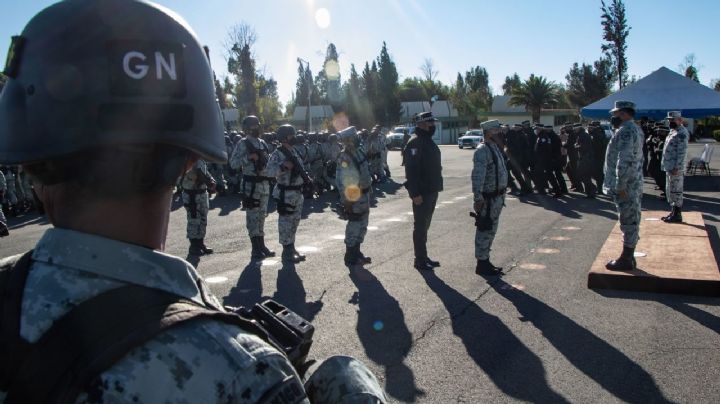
[(599, 143), (586, 160), (423, 171), (556, 163)]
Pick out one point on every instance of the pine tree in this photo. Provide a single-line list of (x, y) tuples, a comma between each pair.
[(388, 89)]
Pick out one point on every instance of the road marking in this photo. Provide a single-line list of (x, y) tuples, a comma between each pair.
[(652, 219), (546, 250), (639, 254), (560, 238), (409, 213), (267, 263), (459, 198), (216, 279), (448, 202), (372, 228), (307, 249), (511, 198), (395, 219), (532, 266), (571, 228), (338, 237)]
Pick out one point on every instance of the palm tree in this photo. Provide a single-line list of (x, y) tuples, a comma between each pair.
[(534, 94)]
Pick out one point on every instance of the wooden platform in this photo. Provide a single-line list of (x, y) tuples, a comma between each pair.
[(671, 258)]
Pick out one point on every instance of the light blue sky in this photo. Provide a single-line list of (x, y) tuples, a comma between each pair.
[(504, 36)]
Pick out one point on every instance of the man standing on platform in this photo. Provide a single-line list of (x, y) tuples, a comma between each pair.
[(673, 163), (624, 180)]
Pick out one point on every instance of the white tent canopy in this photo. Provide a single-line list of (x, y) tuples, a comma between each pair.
[(661, 91)]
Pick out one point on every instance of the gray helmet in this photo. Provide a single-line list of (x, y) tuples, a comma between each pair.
[(285, 132), (348, 134), (88, 74), (249, 123)]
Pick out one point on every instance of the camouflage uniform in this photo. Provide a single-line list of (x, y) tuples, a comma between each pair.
[(374, 153), (623, 172), (315, 161), (673, 158), (353, 183), (195, 199), (489, 181), (3, 191), (255, 189), (191, 362), (10, 191), (331, 151), (217, 170), (290, 201)]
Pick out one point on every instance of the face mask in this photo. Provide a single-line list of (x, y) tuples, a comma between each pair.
[(615, 122), (673, 125)]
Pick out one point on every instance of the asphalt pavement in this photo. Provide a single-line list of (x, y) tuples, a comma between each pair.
[(536, 334)]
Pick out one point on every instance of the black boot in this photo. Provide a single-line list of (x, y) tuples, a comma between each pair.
[(263, 248), (352, 257), (195, 248), (256, 253), (205, 249), (422, 264), (626, 261), (365, 260), (669, 215), (4, 230), (485, 268), (675, 217), (288, 254), (297, 255)]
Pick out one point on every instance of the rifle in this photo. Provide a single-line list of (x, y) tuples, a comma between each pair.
[(262, 159), (298, 169)]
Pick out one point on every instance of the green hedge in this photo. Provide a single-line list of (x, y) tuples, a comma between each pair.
[(716, 135)]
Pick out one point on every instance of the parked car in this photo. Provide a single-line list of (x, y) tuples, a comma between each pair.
[(471, 138), (396, 138)]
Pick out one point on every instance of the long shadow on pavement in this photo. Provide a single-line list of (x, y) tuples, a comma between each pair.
[(514, 368), (248, 289), (600, 361), (384, 334), (573, 206), (291, 293)]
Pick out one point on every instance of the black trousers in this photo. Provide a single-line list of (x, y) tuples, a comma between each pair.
[(422, 215)]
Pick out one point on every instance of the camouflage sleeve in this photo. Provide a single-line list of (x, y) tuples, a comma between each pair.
[(3, 184), (344, 380), (203, 170), (274, 162), (341, 166), (478, 172), (239, 156), (626, 157)]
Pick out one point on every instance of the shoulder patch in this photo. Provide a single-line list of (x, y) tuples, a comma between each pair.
[(413, 151)]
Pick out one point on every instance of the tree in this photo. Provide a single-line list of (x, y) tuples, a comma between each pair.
[(241, 64), (388, 87), (690, 68), (353, 94), (715, 84), (328, 79), (615, 33), (3, 81), (472, 94), (412, 89), (589, 83), (428, 70), (535, 94), (511, 82)]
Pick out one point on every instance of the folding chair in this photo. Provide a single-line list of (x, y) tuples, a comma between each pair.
[(697, 161)]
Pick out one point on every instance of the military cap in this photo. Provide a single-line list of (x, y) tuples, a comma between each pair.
[(487, 125), (674, 114), (525, 123), (623, 105), (595, 123), (347, 133), (424, 117)]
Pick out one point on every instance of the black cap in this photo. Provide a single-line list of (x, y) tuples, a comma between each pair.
[(424, 117)]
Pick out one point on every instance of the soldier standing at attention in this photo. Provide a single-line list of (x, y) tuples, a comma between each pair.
[(354, 186), (142, 324), (489, 181), (3, 222), (673, 163), (331, 150), (286, 166), (423, 173), (196, 200), (251, 157), (624, 180), (585, 160)]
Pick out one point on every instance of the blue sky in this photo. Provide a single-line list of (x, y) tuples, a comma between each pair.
[(504, 36)]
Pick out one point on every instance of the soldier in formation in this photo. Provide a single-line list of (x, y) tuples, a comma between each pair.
[(3, 221), (489, 181), (251, 158), (354, 184), (196, 185), (624, 180), (673, 164)]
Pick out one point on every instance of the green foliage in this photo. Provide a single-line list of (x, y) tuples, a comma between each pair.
[(388, 106), (716, 85), (534, 94), (3, 80), (716, 134), (692, 73), (615, 33), (471, 94), (511, 83), (589, 83)]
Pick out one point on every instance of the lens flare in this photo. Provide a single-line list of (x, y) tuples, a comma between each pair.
[(322, 18), (378, 325), (352, 193)]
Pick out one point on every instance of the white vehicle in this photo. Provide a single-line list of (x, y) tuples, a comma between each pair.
[(471, 138), (607, 128), (396, 138)]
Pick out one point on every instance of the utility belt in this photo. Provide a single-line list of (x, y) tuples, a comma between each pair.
[(192, 202), (193, 192), (487, 195), (254, 179), (283, 207)]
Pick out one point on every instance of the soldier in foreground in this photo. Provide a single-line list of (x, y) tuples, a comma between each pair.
[(354, 186), (489, 182), (107, 193), (3, 221), (287, 167), (673, 164), (624, 180), (251, 157)]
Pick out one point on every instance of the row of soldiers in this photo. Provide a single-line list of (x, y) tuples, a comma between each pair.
[(537, 157), (291, 167), (16, 195)]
